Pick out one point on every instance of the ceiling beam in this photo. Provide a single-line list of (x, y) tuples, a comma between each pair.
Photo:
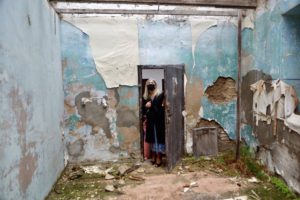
[(216, 3), (148, 12)]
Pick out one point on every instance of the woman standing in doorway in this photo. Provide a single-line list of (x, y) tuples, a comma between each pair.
[(153, 112)]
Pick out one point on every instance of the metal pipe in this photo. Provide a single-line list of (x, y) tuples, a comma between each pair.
[(238, 105)]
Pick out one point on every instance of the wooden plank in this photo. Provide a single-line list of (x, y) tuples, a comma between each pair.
[(217, 3), (147, 12), (205, 141)]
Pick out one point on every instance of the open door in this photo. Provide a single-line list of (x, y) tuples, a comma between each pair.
[(140, 67), (174, 96)]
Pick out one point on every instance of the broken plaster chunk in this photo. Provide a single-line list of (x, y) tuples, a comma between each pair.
[(241, 198), (193, 184), (253, 180), (109, 188), (93, 170), (136, 178), (85, 100), (186, 189), (122, 169), (109, 177), (140, 170), (238, 198), (108, 170), (121, 182), (207, 158)]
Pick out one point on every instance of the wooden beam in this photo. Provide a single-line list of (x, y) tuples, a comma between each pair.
[(147, 12), (216, 3)]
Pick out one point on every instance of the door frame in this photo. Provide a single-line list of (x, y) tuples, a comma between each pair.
[(163, 67)]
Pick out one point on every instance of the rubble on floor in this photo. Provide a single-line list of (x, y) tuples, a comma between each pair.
[(202, 178)]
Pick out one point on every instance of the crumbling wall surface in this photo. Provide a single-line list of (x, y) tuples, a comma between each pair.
[(216, 57), (31, 99), (270, 52), (208, 54), (280, 153), (206, 45), (224, 142), (100, 123), (222, 91)]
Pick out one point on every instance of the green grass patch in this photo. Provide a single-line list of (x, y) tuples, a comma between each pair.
[(283, 188)]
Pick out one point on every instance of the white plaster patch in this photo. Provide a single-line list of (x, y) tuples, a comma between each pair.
[(111, 115), (114, 44), (189, 142), (185, 82), (190, 123), (248, 21), (198, 27)]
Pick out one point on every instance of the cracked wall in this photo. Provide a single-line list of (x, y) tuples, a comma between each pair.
[(224, 142), (31, 96), (222, 91), (271, 51), (95, 130), (161, 40)]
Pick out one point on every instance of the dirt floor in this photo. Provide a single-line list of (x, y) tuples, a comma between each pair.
[(203, 178)]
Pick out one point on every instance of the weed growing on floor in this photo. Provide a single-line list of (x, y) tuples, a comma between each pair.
[(270, 187), (283, 188), (252, 167)]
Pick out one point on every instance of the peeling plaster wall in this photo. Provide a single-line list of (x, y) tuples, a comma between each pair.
[(114, 44), (272, 51), (216, 55), (206, 45), (31, 99), (94, 132)]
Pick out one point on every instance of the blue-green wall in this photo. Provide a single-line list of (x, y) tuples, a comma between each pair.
[(31, 100), (161, 41)]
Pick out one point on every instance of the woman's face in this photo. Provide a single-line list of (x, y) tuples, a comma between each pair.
[(151, 85)]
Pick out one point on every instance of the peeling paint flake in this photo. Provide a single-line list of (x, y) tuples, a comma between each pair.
[(114, 43), (282, 101)]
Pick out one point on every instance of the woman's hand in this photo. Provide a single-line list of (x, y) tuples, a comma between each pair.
[(148, 104)]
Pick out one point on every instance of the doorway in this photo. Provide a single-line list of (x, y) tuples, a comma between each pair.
[(170, 80)]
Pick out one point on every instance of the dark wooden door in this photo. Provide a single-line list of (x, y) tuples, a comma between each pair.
[(174, 105), (140, 68)]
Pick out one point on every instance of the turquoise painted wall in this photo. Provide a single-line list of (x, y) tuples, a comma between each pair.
[(215, 56), (161, 41), (272, 49), (81, 77), (275, 43), (273, 46), (31, 99)]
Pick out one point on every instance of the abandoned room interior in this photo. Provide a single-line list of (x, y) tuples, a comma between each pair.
[(72, 78)]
